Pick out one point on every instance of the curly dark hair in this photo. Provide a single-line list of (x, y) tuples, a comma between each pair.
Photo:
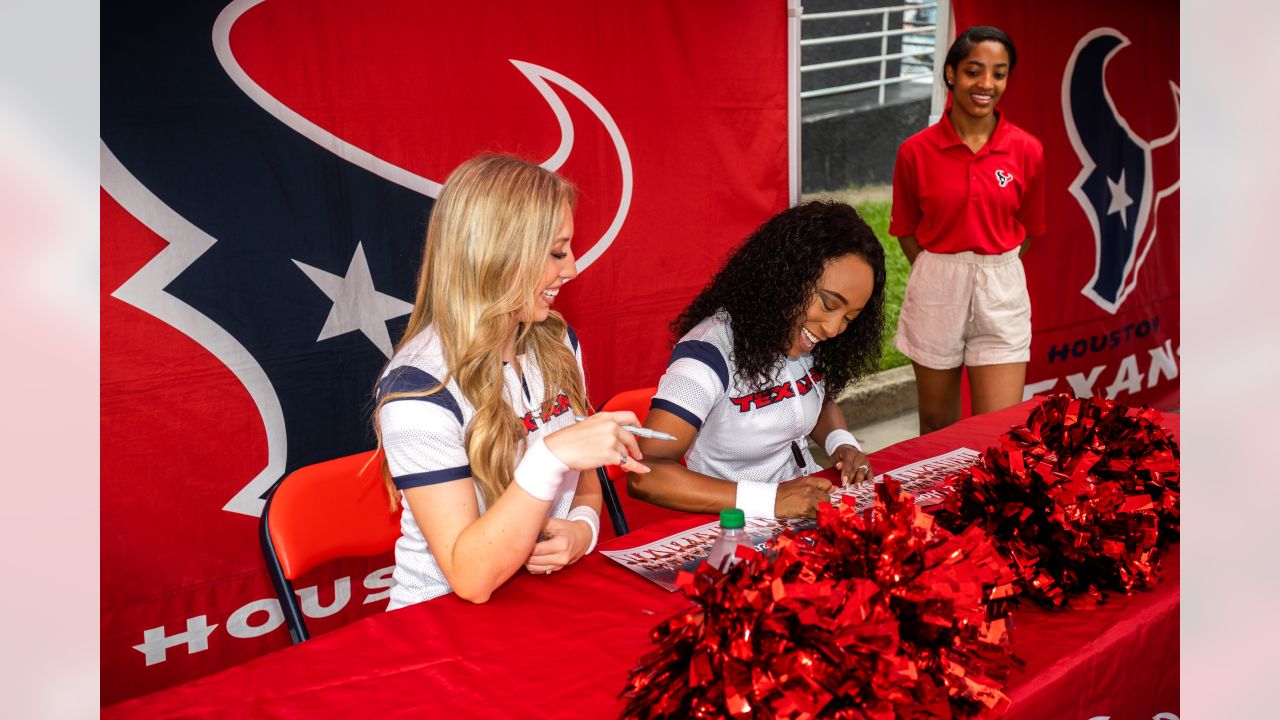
[(766, 286)]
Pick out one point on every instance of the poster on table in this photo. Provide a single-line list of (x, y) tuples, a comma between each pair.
[(1098, 83), (662, 560), (268, 168)]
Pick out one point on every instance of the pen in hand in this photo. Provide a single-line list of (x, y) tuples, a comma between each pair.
[(640, 431)]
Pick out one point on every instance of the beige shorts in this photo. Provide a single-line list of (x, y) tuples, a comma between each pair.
[(965, 308)]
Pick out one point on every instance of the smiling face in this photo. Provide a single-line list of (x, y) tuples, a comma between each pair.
[(977, 81), (843, 290), (559, 270)]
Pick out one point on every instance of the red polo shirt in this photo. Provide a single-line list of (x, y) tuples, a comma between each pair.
[(953, 199)]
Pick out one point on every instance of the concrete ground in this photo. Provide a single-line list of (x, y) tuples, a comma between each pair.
[(880, 411), (883, 433), (877, 435)]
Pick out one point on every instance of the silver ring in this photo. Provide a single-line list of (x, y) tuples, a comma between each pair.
[(864, 467), (622, 459), (548, 571)]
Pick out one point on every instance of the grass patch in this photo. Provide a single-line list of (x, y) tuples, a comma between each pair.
[(876, 213)]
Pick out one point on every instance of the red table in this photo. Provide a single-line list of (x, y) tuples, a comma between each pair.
[(560, 646)]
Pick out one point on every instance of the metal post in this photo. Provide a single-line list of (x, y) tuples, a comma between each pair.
[(944, 32), (884, 50), (794, 13)]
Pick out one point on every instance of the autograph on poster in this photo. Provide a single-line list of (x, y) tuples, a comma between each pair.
[(660, 561)]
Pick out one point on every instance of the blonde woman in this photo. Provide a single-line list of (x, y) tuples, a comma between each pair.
[(476, 409)]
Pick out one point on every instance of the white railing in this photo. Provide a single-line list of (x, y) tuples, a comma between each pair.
[(919, 37)]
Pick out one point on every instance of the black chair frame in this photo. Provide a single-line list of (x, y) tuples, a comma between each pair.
[(613, 504), (283, 586)]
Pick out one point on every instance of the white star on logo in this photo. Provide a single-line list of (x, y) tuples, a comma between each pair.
[(356, 304), (1119, 200)]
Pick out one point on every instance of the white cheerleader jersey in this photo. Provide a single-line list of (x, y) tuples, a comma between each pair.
[(743, 433), (425, 442)]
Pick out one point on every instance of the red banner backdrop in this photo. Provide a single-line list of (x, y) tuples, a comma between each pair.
[(1097, 82), (267, 172)]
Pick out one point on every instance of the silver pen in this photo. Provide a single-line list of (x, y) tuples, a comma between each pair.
[(643, 432)]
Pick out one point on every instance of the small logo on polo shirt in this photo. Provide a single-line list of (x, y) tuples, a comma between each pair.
[(1003, 178)]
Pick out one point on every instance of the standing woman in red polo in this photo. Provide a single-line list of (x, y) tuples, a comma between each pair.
[(968, 195)]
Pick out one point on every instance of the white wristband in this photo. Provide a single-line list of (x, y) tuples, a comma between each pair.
[(588, 515), (756, 499), (836, 438), (540, 472)]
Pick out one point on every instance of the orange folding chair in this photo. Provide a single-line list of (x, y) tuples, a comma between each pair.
[(640, 512), (330, 510)]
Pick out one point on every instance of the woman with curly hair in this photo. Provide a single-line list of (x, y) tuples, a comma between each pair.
[(793, 317), (475, 412)]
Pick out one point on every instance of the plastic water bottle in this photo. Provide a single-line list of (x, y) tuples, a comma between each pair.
[(732, 534)]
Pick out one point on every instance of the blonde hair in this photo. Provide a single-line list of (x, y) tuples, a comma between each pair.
[(487, 245)]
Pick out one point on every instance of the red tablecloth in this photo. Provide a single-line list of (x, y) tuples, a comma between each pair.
[(560, 646)]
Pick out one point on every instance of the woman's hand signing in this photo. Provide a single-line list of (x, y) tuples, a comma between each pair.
[(800, 497)]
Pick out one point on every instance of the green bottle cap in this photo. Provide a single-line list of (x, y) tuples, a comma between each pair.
[(732, 518)]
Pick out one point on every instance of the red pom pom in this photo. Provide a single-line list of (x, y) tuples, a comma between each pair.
[(862, 617), (895, 615), (1079, 499)]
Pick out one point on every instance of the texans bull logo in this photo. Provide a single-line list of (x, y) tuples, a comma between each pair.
[(290, 248), (1123, 177)]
